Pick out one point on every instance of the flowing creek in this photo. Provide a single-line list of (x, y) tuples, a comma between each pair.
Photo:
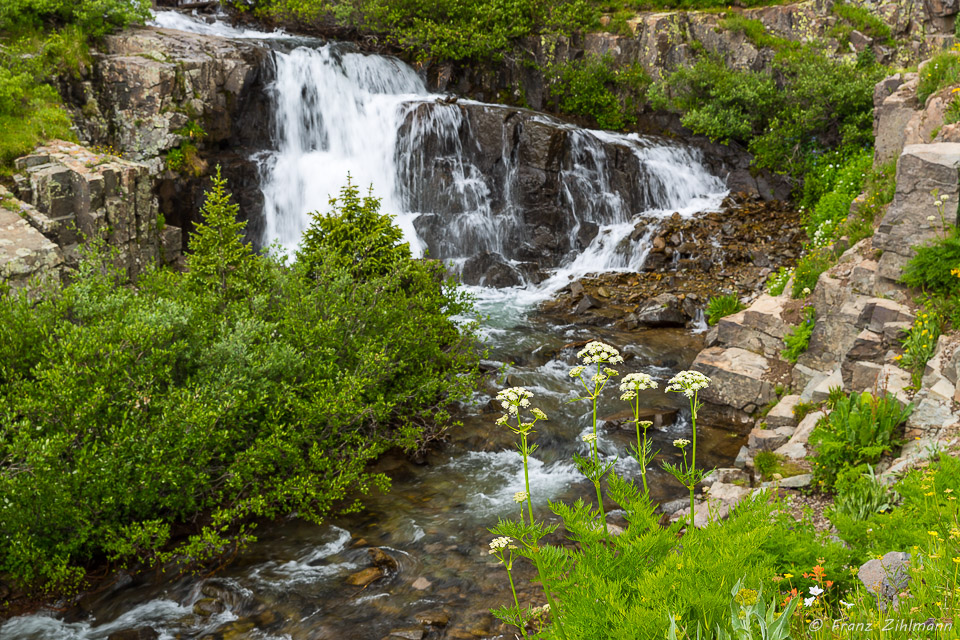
[(338, 111)]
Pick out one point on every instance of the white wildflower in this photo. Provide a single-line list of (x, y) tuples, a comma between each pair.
[(847, 604), (499, 543), (589, 437), (576, 371), (599, 352), (637, 382), (681, 442), (538, 414), (520, 496), (815, 590), (809, 601), (688, 383)]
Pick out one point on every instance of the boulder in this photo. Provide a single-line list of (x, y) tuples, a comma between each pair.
[(886, 577), (665, 310), (738, 378), (27, 258), (769, 439), (922, 168), (892, 114), (365, 576), (782, 414), (821, 391), (796, 447)]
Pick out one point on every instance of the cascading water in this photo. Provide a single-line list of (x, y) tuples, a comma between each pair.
[(340, 112), (458, 191)]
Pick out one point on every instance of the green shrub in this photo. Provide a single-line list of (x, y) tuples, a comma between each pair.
[(797, 339), (808, 270), (859, 429), (806, 103), (593, 88), (722, 306), (778, 280), (94, 17), (204, 401), (863, 495), (921, 343), (932, 268), (768, 463), (940, 72)]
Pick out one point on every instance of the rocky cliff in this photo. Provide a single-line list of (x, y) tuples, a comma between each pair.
[(146, 90), (862, 310)]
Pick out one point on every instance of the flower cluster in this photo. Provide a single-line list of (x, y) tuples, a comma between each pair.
[(498, 544), (589, 437), (681, 442), (688, 383), (634, 382), (514, 398), (598, 353), (520, 496)]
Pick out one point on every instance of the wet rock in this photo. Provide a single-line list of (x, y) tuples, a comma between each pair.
[(421, 584), (886, 577), (796, 447), (409, 633), (207, 607), (490, 269), (727, 476), (382, 559), (436, 618), (141, 633), (586, 303), (365, 576), (663, 311), (743, 458)]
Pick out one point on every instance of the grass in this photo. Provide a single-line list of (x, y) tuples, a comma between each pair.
[(942, 71), (859, 19), (756, 33)]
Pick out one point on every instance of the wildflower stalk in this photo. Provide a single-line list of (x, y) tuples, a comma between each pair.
[(599, 354), (689, 383), (502, 548), (632, 384)]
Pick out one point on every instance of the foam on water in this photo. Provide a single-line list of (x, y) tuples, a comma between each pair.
[(192, 24)]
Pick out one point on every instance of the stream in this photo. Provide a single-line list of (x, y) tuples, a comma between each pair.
[(338, 111)]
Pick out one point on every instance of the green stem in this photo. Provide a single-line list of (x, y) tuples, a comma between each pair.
[(526, 478), (642, 453), (693, 451), (596, 455), (516, 602), (546, 591)]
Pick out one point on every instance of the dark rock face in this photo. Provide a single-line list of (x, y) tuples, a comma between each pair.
[(147, 84), (512, 192)]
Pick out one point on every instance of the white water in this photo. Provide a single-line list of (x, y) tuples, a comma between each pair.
[(340, 112)]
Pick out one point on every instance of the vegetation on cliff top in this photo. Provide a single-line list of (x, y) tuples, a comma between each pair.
[(196, 403)]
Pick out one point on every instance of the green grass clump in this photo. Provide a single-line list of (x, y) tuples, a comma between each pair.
[(755, 32), (722, 306), (861, 19), (940, 72), (798, 338), (859, 429)]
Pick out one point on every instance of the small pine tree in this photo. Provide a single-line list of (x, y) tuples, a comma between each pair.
[(218, 258), (353, 235)]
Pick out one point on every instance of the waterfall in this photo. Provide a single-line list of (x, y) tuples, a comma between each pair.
[(458, 177)]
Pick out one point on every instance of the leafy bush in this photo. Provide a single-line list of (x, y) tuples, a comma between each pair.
[(808, 270), (932, 268), (202, 401), (859, 429), (806, 103), (93, 17), (921, 343), (798, 338), (593, 88), (778, 280), (722, 306), (834, 185), (940, 72)]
